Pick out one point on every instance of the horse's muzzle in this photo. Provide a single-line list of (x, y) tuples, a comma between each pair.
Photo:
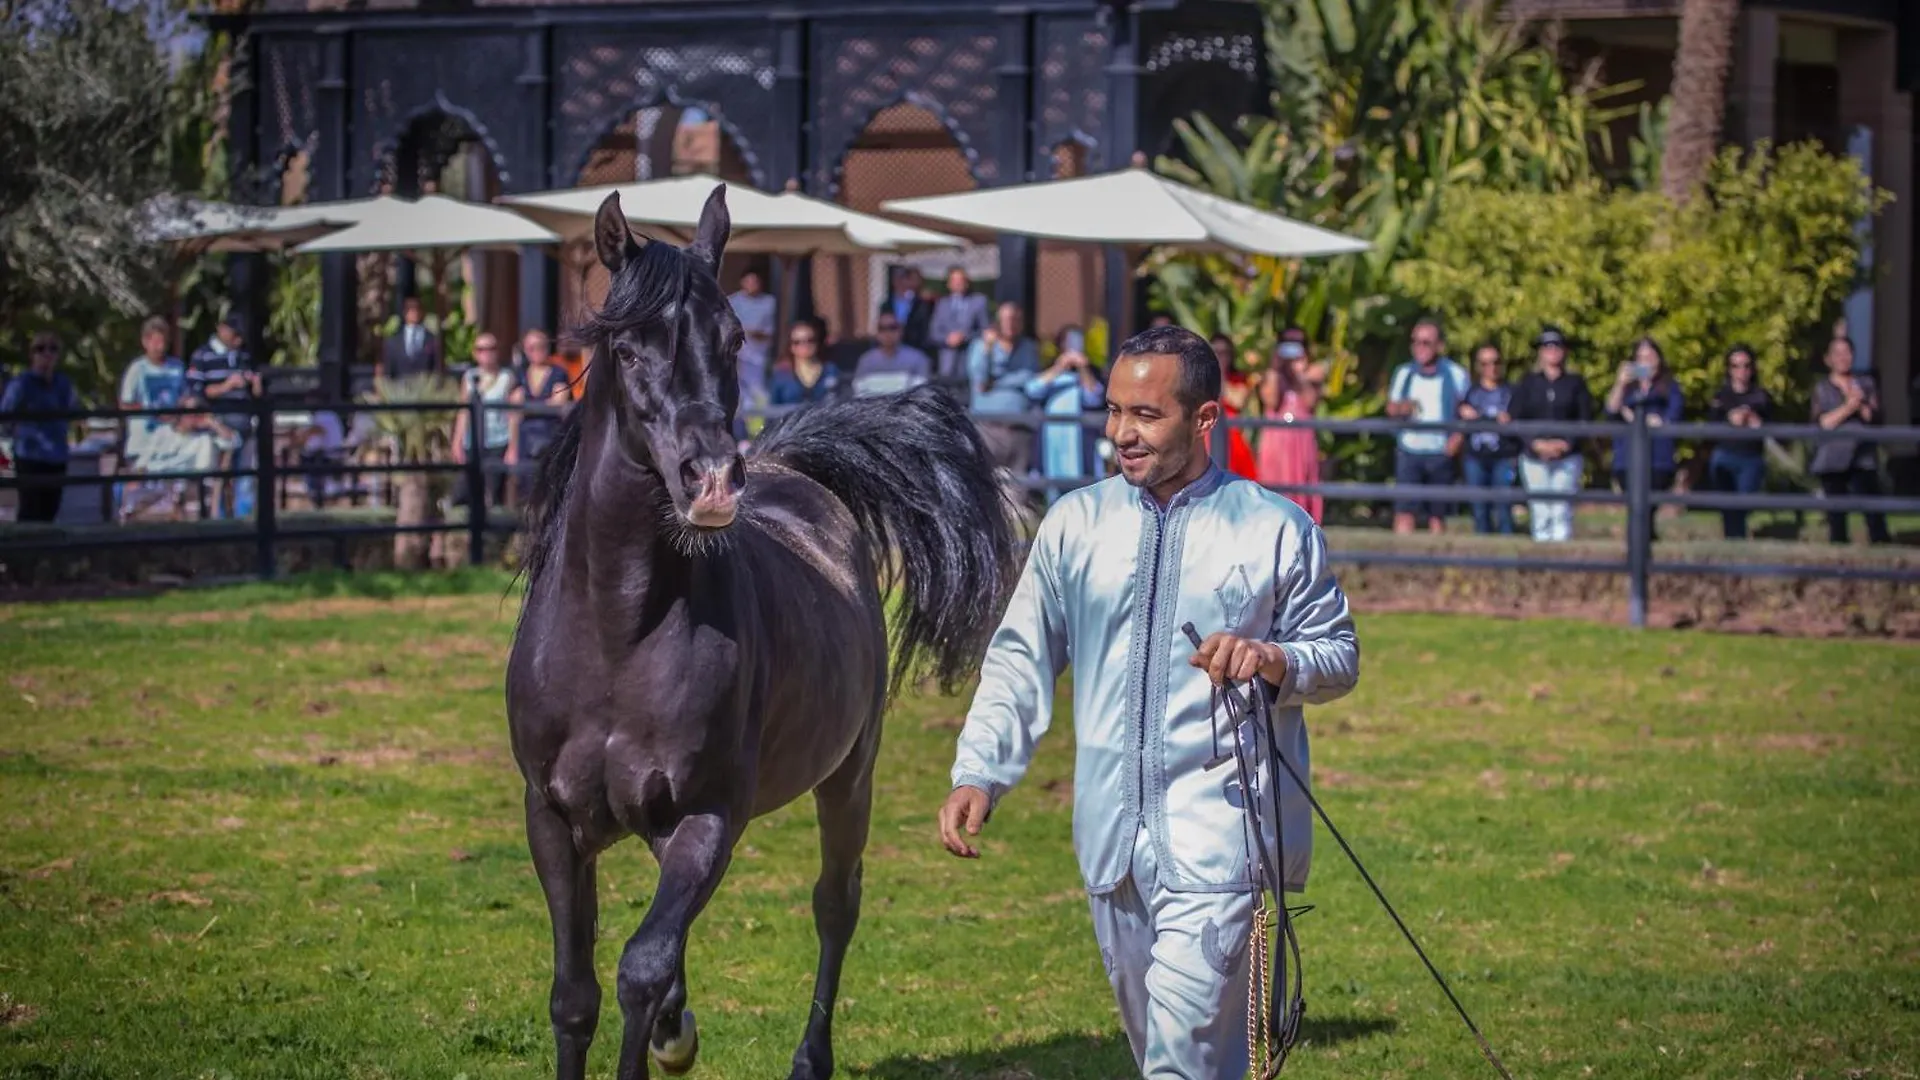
[(713, 488)]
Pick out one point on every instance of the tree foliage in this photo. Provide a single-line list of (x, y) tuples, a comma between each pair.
[(1765, 256), (95, 121), (1379, 107)]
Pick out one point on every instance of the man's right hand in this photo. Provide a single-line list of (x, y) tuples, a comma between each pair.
[(965, 811)]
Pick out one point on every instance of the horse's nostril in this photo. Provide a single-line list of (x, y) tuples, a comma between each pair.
[(737, 476), (689, 474)]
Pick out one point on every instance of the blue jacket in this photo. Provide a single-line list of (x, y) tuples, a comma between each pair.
[(1662, 399), (41, 441)]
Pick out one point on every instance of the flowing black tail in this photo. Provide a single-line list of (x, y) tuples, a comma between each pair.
[(918, 479)]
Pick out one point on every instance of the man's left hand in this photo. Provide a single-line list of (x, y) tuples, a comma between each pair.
[(1225, 657)]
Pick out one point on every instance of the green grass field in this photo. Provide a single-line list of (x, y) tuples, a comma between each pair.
[(270, 832)]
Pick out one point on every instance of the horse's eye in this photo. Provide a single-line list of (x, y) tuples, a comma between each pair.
[(624, 353)]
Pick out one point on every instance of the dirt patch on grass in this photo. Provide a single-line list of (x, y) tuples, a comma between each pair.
[(1819, 744), (377, 757), (179, 896), (16, 1014)]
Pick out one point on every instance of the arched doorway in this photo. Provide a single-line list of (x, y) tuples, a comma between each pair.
[(905, 150), (442, 153), (652, 143)]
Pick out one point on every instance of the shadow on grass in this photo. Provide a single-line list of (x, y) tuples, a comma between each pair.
[(1087, 1057)]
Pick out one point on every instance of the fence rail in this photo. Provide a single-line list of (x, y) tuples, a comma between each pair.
[(266, 532)]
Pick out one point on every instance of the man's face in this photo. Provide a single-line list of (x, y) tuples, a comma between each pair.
[(228, 336), (957, 282), (155, 345), (1426, 344), (910, 281), (1552, 357), (887, 329), (486, 351), (1155, 438), (1007, 319), (750, 283), (411, 313)]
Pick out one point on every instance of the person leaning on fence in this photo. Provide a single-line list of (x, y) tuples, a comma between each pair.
[(999, 363), (543, 383), (1069, 387), (803, 376), (40, 447), (1644, 386), (160, 444), (1425, 389), (891, 366), (1550, 392), (1491, 460), (1739, 465), (221, 373), (1847, 467), (494, 384)]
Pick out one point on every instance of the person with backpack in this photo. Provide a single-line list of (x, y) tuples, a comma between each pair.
[(1426, 389)]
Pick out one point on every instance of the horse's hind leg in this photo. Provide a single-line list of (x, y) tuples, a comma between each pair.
[(567, 877), (693, 858), (845, 805)]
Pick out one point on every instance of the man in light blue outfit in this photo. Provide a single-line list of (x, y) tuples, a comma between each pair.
[(1163, 843)]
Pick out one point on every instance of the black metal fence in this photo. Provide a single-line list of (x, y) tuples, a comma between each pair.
[(1639, 497)]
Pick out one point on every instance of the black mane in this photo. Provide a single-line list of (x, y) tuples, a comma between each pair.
[(655, 281)]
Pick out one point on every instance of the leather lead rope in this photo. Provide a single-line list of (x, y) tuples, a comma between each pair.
[(1269, 1037)]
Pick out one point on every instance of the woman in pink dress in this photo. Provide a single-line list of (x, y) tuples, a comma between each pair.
[(1291, 389)]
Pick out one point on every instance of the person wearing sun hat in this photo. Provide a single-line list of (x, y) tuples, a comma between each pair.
[(1551, 392)]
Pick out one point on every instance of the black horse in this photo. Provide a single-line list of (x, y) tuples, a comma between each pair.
[(703, 639)]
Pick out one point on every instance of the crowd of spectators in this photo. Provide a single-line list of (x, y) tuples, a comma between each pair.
[(1033, 405)]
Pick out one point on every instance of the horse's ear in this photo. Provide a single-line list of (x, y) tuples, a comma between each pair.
[(612, 240), (710, 238)]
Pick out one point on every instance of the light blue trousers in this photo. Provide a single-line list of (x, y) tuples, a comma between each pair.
[(1178, 965)]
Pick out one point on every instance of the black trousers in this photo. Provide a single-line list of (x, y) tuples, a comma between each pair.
[(495, 482), (39, 503), (1854, 482)]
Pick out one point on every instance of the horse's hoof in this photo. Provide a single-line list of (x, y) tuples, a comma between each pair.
[(676, 1056)]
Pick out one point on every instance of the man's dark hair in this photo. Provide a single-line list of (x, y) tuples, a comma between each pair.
[(1431, 321), (1199, 368)]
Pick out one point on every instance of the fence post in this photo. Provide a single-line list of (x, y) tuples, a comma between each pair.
[(265, 507), (476, 481), (1639, 518)]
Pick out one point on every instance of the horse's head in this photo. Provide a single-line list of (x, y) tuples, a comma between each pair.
[(669, 337)]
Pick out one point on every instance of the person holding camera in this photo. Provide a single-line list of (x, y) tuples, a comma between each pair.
[(1290, 390), (1070, 387), (1644, 386)]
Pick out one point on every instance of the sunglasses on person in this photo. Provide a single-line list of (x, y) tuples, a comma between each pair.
[(801, 339), (45, 348), (888, 328)]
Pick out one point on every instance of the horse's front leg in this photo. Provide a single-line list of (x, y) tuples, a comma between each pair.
[(693, 858), (845, 804), (567, 877)]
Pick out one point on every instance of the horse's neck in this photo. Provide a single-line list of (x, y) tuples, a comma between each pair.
[(617, 545)]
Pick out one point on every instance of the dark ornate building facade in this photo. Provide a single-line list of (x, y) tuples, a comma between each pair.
[(375, 95)]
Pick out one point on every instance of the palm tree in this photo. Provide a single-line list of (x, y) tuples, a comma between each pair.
[(1700, 67)]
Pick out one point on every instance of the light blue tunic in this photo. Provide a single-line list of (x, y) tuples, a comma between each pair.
[(1109, 580)]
